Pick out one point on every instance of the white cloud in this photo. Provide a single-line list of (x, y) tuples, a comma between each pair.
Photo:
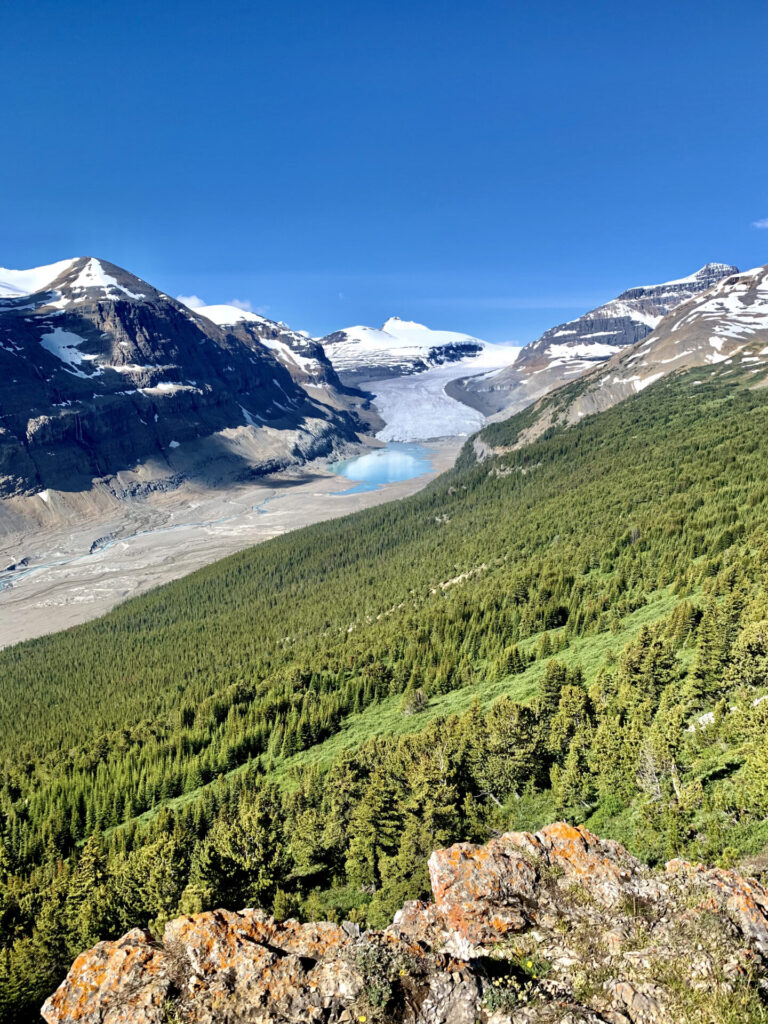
[(761, 223), (242, 304), (193, 301)]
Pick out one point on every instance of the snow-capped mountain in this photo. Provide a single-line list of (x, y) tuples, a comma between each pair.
[(726, 329), (100, 372), (399, 347), (727, 325), (571, 349)]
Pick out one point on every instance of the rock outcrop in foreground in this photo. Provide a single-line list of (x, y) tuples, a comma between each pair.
[(558, 926)]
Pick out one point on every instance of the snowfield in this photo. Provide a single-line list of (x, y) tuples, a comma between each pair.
[(398, 344), (225, 315), (416, 407)]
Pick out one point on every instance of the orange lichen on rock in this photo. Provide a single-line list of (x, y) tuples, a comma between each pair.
[(571, 901), (744, 899)]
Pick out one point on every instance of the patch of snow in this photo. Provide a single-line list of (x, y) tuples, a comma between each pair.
[(641, 384), (286, 354), (674, 358), (226, 316), (165, 388), (248, 417), (93, 275), (65, 346), (174, 444), (597, 350)]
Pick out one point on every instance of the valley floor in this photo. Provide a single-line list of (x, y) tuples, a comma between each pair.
[(103, 552), (167, 536)]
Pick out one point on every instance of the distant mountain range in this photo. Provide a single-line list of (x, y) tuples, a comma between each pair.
[(571, 349), (104, 377), (726, 327)]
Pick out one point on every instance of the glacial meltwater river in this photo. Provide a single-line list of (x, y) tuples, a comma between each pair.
[(399, 460)]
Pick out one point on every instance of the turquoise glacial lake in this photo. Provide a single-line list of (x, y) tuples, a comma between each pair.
[(399, 460)]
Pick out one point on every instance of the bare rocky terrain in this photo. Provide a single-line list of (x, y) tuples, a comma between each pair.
[(69, 557), (559, 926)]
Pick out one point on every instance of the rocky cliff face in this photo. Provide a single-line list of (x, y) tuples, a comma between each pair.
[(571, 349), (558, 926), (399, 347), (302, 356), (101, 372)]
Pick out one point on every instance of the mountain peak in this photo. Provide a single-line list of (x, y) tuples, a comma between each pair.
[(88, 349), (717, 267), (570, 349), (397, 324), (724, 327), (73, 280), (398, 347)]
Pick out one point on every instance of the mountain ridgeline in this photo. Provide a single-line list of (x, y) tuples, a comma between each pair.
[(105, 379), (725, 328), (571, 626), (571, 349)]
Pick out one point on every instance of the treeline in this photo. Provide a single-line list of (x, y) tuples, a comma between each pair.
[(186, 705)]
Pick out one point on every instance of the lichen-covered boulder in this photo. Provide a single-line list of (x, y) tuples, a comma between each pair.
[(559, 926), (485, 893)]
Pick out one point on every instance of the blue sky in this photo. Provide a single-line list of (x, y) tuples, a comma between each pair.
[(494, 167)]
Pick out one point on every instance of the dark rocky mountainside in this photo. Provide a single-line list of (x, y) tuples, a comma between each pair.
[(101, 372), (571, 349), (532, 929), (303, 357)]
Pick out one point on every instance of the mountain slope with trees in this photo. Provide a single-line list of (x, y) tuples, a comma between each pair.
[(577, 627)]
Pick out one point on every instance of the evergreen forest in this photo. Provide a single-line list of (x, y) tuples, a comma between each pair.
[(575, 628)]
